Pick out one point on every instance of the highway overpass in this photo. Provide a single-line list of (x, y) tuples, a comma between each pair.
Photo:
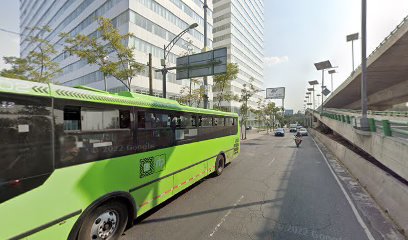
[(387, 76)]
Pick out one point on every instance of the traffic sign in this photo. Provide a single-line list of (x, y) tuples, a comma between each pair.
[(202, 64)]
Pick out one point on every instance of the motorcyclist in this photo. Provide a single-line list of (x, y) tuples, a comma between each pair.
[(298, 137)]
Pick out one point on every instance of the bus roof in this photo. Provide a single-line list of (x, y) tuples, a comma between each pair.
[(88, 94)]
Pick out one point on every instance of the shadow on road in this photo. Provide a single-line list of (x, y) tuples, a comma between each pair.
[(250, 143), (209, 211), (311, 204)]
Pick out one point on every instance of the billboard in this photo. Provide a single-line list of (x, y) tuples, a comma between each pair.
[(275, 93), (202, 64)]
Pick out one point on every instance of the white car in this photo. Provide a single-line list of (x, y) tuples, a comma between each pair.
[(303, 131)]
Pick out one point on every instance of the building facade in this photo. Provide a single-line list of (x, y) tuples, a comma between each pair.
[(154, 24), (239, 26)]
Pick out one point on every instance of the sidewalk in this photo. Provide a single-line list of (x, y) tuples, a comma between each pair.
[(253, 134)]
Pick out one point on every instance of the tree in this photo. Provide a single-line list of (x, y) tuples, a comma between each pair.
[(260, 113), (188, 94), (38, 65), (121, 65), (246, 93), (198, 95), (222, 83), (19, 68), (271, 111)]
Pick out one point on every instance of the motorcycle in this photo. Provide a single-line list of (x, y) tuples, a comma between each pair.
[(298, 141)]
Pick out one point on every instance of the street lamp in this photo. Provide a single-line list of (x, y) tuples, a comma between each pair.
[(313, 83), (364, 100), (166, 51), (323, 66), (331, 72), (312, 91), (105, 59), (310, 97), (308, 100), (351, 38)]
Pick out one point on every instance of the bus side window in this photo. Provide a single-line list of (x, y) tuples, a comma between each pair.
[(72, 118), (194, 121), (141, 123), (25, 140), (124, 118), (88, 132), (154, 130)]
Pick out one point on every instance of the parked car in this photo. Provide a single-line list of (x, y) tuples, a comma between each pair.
[(280, 132), (303, 131), (249, 128)]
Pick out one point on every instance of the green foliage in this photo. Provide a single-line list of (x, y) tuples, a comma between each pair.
[(260, 116), (38, 65), (191, 95), (271, 110), (19, 68), (246, 93), (222, 83), (111, 52)]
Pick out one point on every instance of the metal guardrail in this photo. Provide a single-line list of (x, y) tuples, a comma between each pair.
[(387, 127), (375, 113)]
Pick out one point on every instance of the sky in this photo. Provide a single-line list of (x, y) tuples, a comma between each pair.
[(298, 33), (302, 32)]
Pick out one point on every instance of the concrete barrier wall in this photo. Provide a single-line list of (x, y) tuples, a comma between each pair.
[(388, 192), (390, 151)]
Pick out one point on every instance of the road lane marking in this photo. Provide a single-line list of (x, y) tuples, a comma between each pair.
[(353, 207), (226, 215), (270, 163)]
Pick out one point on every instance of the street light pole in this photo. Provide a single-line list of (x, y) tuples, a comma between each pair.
[(104, 74), (323, 66), (166, 51), (351, 38), (364, 120), (321, 111), (313, 83), (331, 72)]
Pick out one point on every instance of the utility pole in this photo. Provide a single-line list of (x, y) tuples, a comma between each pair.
[(150, 75), (364, 120), (205, 6), (321, 111)]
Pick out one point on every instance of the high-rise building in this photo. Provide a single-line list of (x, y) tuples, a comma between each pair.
[(239, 26), (154, 24)]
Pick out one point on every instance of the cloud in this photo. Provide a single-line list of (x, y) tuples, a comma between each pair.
[(270, 61)]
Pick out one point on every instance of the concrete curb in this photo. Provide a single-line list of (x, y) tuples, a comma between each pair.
[(388, 192)]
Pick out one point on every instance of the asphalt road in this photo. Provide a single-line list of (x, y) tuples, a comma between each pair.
[(273, 190)]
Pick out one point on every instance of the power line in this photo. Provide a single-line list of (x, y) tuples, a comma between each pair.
[(9, 31), (22, 35)]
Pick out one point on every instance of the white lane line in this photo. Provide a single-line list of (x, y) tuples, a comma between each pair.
[(270, 163), (353, 207), (226, 215)]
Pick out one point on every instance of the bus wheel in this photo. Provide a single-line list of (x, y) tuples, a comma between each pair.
[(107, 221), (219, 165)]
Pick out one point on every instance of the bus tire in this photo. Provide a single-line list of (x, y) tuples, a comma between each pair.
[(107, 221), (219, 165)]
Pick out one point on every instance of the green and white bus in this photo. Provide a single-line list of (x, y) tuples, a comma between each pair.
[(79, 163)]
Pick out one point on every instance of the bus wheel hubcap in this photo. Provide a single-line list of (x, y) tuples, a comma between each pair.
[(105, 225)]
